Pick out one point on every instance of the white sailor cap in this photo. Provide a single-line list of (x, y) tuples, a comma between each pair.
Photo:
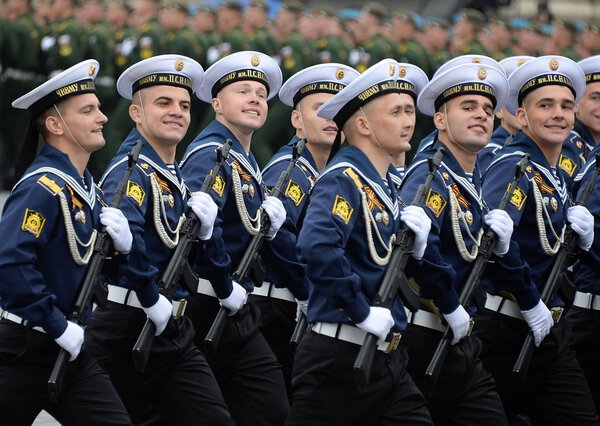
[(328, 78), (467, 59), (591, 68), (386, 76), (544, 71), (76, 80), (162, 70), (510, 64), (244, 65), (465, 79)]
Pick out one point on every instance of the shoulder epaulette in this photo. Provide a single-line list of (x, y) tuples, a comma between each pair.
[(352, 175), (50, 185)]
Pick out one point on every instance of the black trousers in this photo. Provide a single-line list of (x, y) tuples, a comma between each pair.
[(26, 359), (325, 392), (247, 371), (585, 340), (464, 394), (555, 391), (278, 320), (177, 387)]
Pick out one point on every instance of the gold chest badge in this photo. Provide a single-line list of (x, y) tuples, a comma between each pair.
[(567, 164)]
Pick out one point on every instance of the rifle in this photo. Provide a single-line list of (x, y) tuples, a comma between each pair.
[(90, 281), (211, 341), (178, 263), (298, 333), (394, 281), (486, 248), (566, 251)]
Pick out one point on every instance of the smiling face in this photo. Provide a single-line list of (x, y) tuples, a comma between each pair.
[(547, 115), (242, 106), (467, 121), (85, 121), (161, 114), (319, 131), (588, 109)]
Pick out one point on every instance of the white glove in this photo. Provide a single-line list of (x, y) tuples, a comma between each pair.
[(302, 308), (540, 321), (459, 321), (582, 222), (206, 209), (417, 221), (71, 339), (503, 226), (235, 300), (379, 322), (274, 208), (160, 313), (117, 228)]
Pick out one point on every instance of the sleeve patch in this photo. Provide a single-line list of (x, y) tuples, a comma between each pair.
[(294, 192), (49, 184), (342, 209), (435, 202), (135, 191), (219, 185), (518, 197), (567, 164), (33, 222)]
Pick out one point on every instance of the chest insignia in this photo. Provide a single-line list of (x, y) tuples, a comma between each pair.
[(33, 222), (342, 209), (135, 191), (567, 164), (435, 202), (219, 185)]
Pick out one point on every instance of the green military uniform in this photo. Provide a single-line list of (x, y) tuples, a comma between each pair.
[(440, 57), (332, 49), (69, 47), (21, 73), (264, 42), (296, 54), (474, 47), (376, 48), (413, 52), (234, 41), (571, 53)]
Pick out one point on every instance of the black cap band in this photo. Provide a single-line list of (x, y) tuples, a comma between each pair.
[(77, 88), (318, 87), (232, 77), (160, 79), (544, 80), (592, 78), (379, 89), (465, 89)]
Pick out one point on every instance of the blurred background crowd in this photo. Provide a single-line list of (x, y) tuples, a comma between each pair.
[(39, 38)]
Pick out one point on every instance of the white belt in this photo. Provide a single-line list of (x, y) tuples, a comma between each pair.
[(125, 296), (503, 305), (269, 290), (352, 334), (15, 318), (205, 287), (587, 301), (425, 319)]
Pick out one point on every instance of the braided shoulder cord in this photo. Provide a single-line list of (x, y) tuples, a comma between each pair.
[(158, 207), (252, 225), (370, 222), (72, 238), (540, 211), (458, 236)]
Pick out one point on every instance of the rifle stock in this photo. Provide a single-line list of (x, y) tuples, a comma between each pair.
[(488, 244), (394, 275), (87, 289), (565, 253), (211, 341), (177, 264)]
